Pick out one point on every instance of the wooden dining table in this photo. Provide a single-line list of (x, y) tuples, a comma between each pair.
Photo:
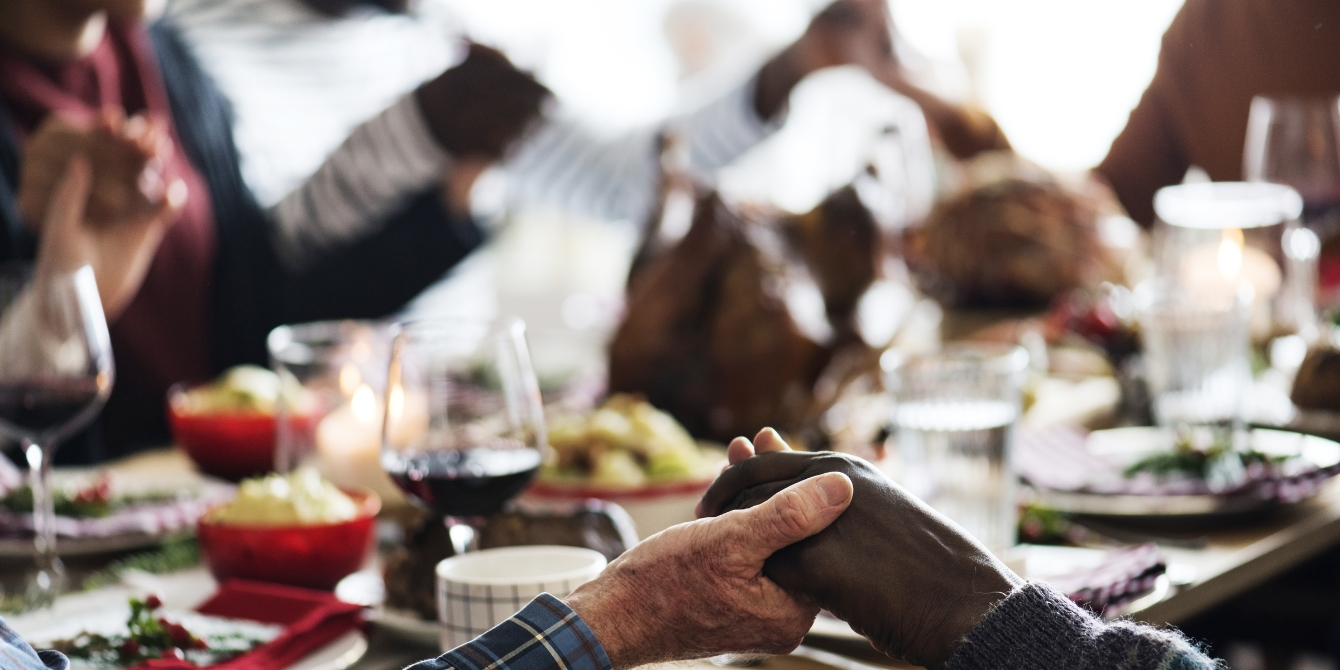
[(1206, 567)]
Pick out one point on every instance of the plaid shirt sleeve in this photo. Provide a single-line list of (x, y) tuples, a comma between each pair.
[(545, 635)]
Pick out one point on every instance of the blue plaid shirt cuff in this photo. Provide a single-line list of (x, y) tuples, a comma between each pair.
[(545, 635)]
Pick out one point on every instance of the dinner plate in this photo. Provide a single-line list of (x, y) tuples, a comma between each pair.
[(366, 588), (22, 547), (1312, 461), (139, 526)]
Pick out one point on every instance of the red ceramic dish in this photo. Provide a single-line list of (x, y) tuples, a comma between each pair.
[(230, 445), (315, 557)]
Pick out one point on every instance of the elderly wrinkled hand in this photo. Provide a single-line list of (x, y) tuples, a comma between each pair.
[(896, 570), (697, 589)]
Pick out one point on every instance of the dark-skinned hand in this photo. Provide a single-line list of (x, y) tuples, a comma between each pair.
[(846, 32), (480, 107), (899, 572)]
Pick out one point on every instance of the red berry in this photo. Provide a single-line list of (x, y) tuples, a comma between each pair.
[(130, 647), (173, 652), (153, 602), (199, 643)]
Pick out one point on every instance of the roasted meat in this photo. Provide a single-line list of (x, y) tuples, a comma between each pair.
[(1014, 243), (749, 321)]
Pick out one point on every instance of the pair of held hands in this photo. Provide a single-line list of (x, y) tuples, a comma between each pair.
[(782, 535)]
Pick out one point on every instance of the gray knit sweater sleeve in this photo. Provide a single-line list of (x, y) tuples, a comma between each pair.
[(1037, 628)]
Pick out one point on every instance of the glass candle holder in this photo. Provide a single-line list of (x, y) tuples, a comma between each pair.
[(1213, 237), (955, 412), (1196, 352), (330, 414)]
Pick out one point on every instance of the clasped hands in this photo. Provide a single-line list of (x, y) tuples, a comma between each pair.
[(782, 534), (97, 194)]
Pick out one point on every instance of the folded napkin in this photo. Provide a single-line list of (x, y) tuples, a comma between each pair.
[(1118, 577), (1060, 459), (311, 620)]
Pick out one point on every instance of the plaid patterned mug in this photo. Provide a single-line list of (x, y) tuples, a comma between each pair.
[(481, 589)]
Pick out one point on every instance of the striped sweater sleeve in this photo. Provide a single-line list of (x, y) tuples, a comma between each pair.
[(564, 163), (1038, 628), (568, 165), (380, 167)]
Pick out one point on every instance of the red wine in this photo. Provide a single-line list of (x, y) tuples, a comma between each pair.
[(38, 406), (471, 482)]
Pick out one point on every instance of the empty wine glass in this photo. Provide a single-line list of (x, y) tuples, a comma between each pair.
[(464, 429), (55, 374), (1293, 141)]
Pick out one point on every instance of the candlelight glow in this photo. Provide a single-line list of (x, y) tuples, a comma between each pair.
[(395, 404), (1230, 253), (350, 379), (364, 405)]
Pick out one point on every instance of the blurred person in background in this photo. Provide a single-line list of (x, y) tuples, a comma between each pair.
[(1216, 56), (299, 72), (73, 72), (708, 37), (357, 238)]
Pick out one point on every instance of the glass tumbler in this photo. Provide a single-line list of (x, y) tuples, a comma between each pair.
[(329, 415), (955, 415), (1197, 345)]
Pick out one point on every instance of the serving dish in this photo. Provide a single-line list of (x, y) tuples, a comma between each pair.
[(1304, 463), (312, 556)]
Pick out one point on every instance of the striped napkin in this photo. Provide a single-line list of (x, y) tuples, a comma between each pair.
[(1117, 577)]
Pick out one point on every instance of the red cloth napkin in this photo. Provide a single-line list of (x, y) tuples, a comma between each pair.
[(311, 620)]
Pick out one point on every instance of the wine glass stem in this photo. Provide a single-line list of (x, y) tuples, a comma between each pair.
[(49, 568)]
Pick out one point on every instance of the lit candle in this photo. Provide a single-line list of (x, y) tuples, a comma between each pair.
[(349, 439), (1211, 269)]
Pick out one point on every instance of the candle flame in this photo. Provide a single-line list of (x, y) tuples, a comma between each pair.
[(364, 405), (1230, 253)]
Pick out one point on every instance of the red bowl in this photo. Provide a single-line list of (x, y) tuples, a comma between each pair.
[(315, 557), (229, 445)]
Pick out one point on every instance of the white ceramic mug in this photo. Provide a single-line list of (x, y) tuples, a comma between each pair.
[(479, 590)]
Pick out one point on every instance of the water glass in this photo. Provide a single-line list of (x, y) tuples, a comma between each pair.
[(1196, 346), (955, 416), (329, 414)]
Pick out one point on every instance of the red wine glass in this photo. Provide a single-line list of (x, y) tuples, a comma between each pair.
[(463, 430), (56, 372)]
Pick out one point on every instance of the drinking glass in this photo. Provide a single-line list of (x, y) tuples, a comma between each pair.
[(333, 374), (1293, 141), (955, 414), (464, 424), (1196, 349), (55, 374), (1213, 237)]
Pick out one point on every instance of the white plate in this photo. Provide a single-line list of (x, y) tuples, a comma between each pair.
[(1307, 452), (339, 654), (22, 547), (366, 588), (407, 626)]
